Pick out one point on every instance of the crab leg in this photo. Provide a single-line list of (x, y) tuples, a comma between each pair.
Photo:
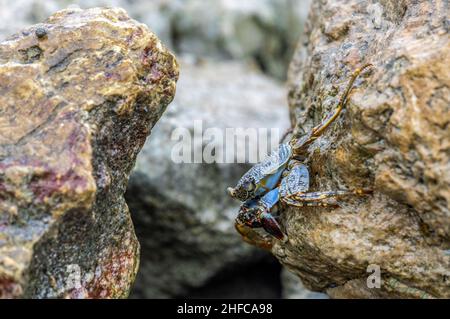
[(320, 198), (319, 129)]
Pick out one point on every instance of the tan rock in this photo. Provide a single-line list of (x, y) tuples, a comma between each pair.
[(78, 97), (393, 137)]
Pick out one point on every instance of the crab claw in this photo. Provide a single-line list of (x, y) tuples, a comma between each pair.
[(271, 226), (252, 237)]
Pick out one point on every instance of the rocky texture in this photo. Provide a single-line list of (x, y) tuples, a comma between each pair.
[(184, 219), (78, 96), (262, 31), (393, 137)]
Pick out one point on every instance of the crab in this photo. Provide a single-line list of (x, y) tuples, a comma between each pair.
[(282, 179)]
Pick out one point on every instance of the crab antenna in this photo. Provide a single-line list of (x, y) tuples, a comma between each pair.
[(316, 131)]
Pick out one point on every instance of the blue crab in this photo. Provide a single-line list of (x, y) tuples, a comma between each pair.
[(283, 179)]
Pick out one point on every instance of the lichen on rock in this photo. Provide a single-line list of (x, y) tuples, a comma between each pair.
[(79, 94), (393, 138)]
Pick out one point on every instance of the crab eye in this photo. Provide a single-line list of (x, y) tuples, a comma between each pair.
[(250, 186)]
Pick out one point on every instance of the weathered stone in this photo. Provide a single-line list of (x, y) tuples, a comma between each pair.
[(183, 216), (393, 137), (79, 94)]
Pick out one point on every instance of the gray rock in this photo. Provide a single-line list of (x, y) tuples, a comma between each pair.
[(261, 30), (183, 217)]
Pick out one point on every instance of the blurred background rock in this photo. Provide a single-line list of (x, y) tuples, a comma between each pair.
[(234, 55), (183, 217)]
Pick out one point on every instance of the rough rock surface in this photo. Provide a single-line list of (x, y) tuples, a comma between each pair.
[(183, 216), (78, 96), (264, 31), (294, 289), (393, 137)]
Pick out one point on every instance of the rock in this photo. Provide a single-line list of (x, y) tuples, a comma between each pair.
[(78, 96), (393, 137), (294, 289), (262, 31), (183, 216)]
